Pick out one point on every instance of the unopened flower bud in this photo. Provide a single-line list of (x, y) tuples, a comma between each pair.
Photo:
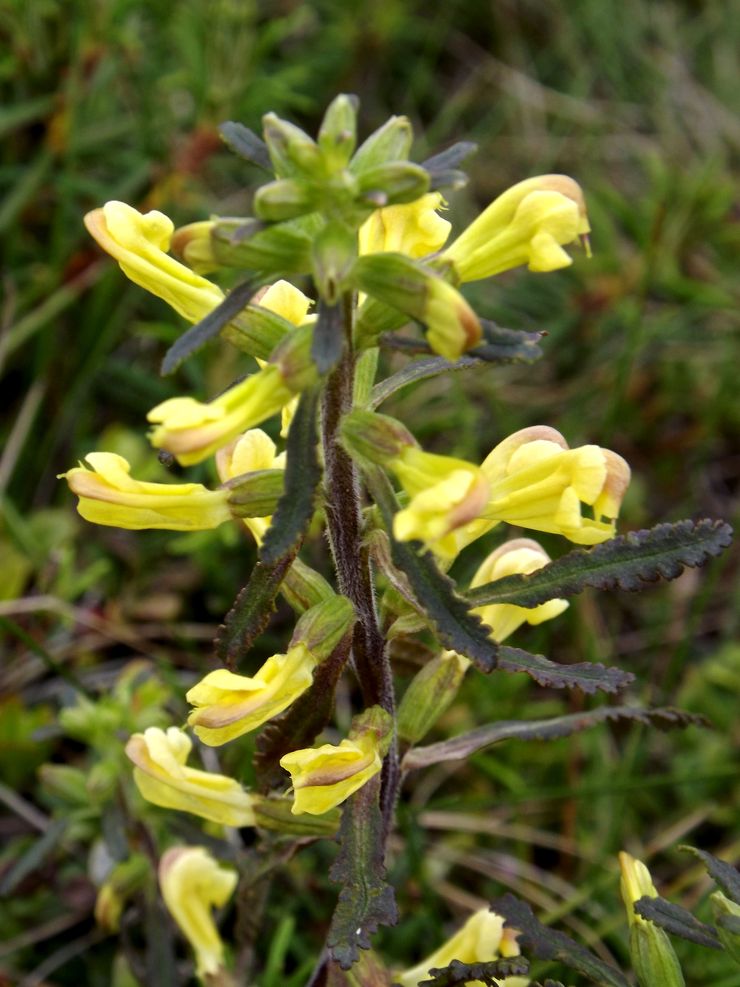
[(247, 244), (123, 881), (727, 919), (373, 438), (335, 250), (321, 628), (292, 151), (393, 183), (653, 957), (275, 812), (255, 495), (338, 131), (64, 782), (429, 694), (292, 357), (284, 199), (391, 142)]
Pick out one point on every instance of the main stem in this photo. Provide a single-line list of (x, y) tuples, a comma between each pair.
[(354, 575)]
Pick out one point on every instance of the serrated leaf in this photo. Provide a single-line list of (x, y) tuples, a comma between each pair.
[(327, 343), (559, 726), (549, 944), (456, 627), (678, 921), (304, 720), (722, 872), (205, 330), (627, 562), (252, 609), (366, 900), (587, 676), (244, 142), (458, 974)]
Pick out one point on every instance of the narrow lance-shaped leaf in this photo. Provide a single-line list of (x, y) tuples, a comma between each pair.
[(549, 944), (327, 342), (366, 900), (678, 921), (558, 726), (443, 167), (587, 676), (726, 876), (627, 562), (492, 973), (209, 327), (252, 608), (457, 628), (246, 144), (499, 345)]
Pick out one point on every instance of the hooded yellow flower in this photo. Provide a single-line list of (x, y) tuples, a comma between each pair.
[(228, 705), (529, 224), (193, 883), (446, 494), (653, 958), (537, 482), (162, 778), (252, 451), (140, 243), (520, 555), (481, 939), (325, 776), (415, 228), (109, 495), (192, 430)]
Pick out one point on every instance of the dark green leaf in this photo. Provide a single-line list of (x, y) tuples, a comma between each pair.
[(304, 720), (726, 876), (627, 562), (252, 608), (457, 628), (558, 726), (33, 857), (302, 478), (205, 330), (366, 900), (328, 337), (246, 144), (418, 370), (458, 974), (587, 676), (507, 345), (442, 167), (678, 921), (548, 944)]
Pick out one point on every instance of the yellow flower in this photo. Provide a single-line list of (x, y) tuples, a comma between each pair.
[(193, 883), (109, 495), (140, 243), (229, 705), (446, 494), (520, 555), (537, 482), (528, 224), (481, 939), (162, 778), (452, 325), (325, 776), (653, 958), (251, 452), (192, 430), (635, 883), (415, 228)]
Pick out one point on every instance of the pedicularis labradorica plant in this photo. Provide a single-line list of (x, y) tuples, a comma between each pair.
[(362, 229)]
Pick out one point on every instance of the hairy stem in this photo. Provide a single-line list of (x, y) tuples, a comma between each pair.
[(344, 525)]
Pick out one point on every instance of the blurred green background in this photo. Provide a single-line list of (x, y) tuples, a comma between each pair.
[(121, 99)]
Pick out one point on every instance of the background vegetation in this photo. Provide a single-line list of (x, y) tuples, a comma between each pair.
[(121, 99)]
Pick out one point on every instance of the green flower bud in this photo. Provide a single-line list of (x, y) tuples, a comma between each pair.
[(429, 694), (391, 142), (372, 438), (292, 151), (293, 358), (322, 627), (727, 918), (393, 183), (64, 782), (192, 244), (285, 199), (255, 494), (247, 244), (338, 132), (653, 957), (303, 587), (273, 812), (334, 253)]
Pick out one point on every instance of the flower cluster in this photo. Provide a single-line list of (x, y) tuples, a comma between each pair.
[(367, 229)]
